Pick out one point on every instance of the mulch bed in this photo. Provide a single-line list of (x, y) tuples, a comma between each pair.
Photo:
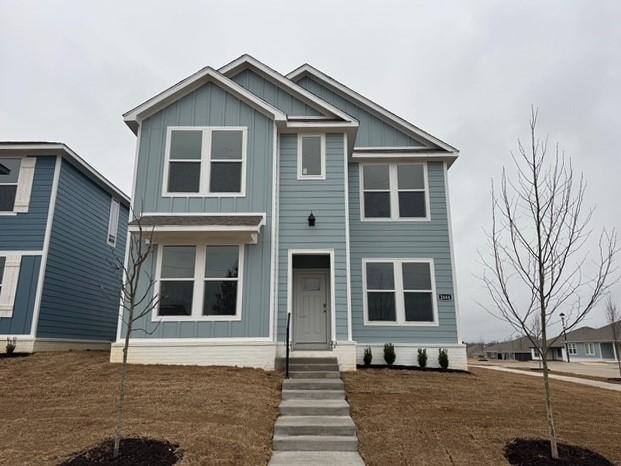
[(409, 368), (133, 452), (13, 355), (536, 452)]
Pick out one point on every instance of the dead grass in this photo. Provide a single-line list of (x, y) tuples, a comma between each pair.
[(431, 418), (57, 403)]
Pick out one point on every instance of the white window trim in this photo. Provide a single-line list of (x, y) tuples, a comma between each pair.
[(199, 286), (322, 145), (10, 279), (205, 161), (399, 293), (589, 349), (393, 187), (113, 221), (572, 349)]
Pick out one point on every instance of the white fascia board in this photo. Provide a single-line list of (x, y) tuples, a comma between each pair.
[(59, 148), (381, 111), (233, 68), (197, 228), (134, 116), (449, 158)]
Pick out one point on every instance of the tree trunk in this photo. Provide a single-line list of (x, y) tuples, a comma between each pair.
[(549, 414), (119, 415)]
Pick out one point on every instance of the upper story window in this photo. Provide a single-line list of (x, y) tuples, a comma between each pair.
[(394, 191), (311, 157), (399, 292), (113, 222), (9, 176), (205, 161), (200, 282)]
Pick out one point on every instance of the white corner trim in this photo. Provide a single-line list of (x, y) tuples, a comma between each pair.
[(322, 153), (46, 246), (274, 239), (347, 237)]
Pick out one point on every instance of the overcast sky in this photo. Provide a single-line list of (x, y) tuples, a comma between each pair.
[(466, 72)]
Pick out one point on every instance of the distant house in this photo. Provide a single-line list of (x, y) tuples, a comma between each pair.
[(518, 350), (589, 344), (61, 223)]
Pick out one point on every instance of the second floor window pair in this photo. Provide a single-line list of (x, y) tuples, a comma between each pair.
[(205, 161)]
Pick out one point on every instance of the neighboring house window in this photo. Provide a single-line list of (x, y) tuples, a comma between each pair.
[(399, 291), (200, 282), (590, 349), (311, 157), (113, 222), (9, 276), (205, 161), (9, 176), (571, 348), (394, 191)]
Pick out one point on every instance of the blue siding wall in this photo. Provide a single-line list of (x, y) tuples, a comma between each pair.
[(397, 240), (273, 94), (210, 105), (81, 289), (373, 132), (21, 321), (26, 231), (326, 198)]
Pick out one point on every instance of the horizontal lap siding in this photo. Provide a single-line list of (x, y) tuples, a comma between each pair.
[(403, 240), (326, 199), (81, 289), (21, 320), (273, 94), (212, 106), (372, 132), (26, 231)]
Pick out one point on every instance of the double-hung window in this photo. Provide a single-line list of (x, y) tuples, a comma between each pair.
[(571, 348), (590, 349), (394, 191), (200, 282), (205, 161), (399, 292), (311, 157), (9, 177)]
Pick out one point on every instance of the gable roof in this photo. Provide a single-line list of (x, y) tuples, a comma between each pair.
[(590, 334), (247, 61), (379, 111), (184, 87), (59, 148)]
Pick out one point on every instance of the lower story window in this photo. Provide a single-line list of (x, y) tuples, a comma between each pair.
[(199, 282), (571, 348), (399, 291), (590, 349)]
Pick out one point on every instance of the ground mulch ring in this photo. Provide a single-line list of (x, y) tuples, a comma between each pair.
[(536, 452), (132, 452), (56, 404), (433, 418)]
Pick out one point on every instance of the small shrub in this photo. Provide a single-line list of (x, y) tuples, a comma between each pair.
[(368, 356), (389, 353), (11, 344), (422, 358), (443, 358)]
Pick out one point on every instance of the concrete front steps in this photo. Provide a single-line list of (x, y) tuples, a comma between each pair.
[(314, 427)]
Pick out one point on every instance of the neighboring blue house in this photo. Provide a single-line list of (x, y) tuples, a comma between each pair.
[(61, 225), (272, 195)]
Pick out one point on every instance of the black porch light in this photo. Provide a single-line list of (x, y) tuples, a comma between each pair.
[(311, 220)]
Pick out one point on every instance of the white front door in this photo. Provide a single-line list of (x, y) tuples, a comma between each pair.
[(310, 313)]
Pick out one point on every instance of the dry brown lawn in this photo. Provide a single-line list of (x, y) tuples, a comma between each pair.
[(54, 404), (431, 418)]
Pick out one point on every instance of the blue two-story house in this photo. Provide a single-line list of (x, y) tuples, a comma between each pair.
[(289, 203), (63, 227)]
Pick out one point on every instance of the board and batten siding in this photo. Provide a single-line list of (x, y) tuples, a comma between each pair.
[(210, 105), (26, 231), (372, 132), (400, 240), (326, 199), (81, 288), (21, 321), (273, 94)]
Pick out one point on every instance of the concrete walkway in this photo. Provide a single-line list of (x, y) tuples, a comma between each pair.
[(314, 427), (564, 378)]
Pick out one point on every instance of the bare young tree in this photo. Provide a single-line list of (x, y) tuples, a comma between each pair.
[(137, 300), (613, 316), (538, 251)]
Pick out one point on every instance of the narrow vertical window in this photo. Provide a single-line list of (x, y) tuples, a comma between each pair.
[(381, 292), (113, 222), (221, 277), (176, 292), (9, 176), (226, 161), (417, 292), (411, 191), (311, 157), (184, 166), (376, 191)]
